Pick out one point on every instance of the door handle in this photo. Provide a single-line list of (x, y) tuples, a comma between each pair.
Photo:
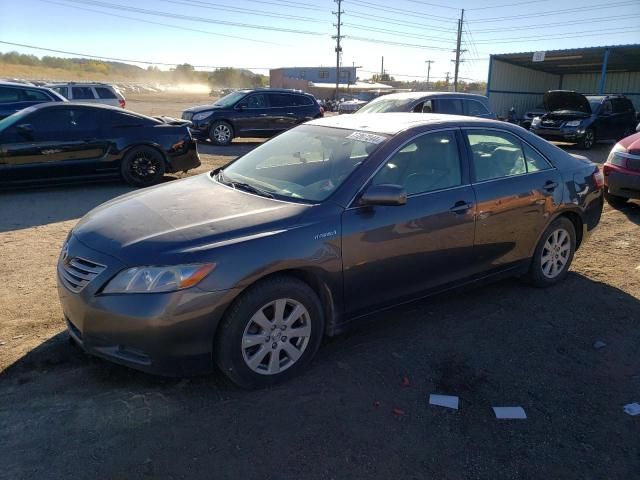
[(263, 114), (550, 186), (461, 207)]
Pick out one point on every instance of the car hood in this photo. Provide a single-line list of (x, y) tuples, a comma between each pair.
[(204, 108), (631, 143), (180, 220), (561, 100)]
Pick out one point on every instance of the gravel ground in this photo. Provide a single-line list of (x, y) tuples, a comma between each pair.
[(66, 415)]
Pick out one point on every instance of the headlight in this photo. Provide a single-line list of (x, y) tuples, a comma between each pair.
[(535, 122), (158, 279), (201, 116), (615, 159), (573, 123)]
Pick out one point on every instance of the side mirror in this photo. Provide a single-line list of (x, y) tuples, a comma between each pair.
[(384, 195), (25, 129), (240, 108)]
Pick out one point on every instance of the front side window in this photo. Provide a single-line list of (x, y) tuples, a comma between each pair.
[(450, 106), (307, 163), (82, 93), (64, 91), (254, 101), (496, 154), (428, 163)]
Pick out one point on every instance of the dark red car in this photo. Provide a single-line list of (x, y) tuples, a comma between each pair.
[(622, 171)]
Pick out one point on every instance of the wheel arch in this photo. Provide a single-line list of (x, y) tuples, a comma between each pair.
[(213, 121), (574, 217), (152, 145)]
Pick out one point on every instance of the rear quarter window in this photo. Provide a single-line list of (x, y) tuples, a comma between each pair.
[(303, 101), (105, 93), (124, 120), (36, 96)]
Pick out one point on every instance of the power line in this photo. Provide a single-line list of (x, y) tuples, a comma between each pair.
[(505, 5), (556, 24), (114, 59), (285, 3), (400, 11), (617, 31), (162, 24), (391, 32), (555, 12), (405, 23), (398, 44)]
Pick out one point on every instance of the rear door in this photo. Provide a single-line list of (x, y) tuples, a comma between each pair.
[(391, 253), (283, 112), (517, 190), (63, 142), (252, 116), (623, 118)]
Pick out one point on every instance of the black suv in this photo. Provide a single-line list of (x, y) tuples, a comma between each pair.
[(584, 119), (16, 96), (260, 113)]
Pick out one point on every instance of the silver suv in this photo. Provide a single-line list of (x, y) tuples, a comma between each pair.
[(90, 93)]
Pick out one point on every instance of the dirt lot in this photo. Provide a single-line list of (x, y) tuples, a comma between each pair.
[(65, 415)]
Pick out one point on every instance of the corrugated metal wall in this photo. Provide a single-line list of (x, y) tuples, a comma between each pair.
[(519, 87), (616, 82)]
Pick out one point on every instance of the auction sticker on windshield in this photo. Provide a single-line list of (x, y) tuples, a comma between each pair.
[(367, 137)]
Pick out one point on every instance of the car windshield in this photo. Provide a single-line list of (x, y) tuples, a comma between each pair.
[(305, 164), (229, 100), (385, 105), (15, 118), (595, 102)]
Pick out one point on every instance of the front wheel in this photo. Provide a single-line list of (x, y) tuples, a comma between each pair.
[(554, 254), (143, 166), (270, 333), (588, 140), (221, 133)]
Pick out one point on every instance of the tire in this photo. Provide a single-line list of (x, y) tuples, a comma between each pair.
[(245, 350), (588, 140), (614, 200), (221, 133), (143, 166), (545, 271)]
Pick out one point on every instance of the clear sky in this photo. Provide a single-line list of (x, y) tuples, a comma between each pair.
[(274, 33)]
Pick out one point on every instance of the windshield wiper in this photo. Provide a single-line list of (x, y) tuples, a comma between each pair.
[(243, 186)]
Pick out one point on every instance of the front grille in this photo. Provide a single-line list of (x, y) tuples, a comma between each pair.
[(187, 115), (77, 273), (551, 123)]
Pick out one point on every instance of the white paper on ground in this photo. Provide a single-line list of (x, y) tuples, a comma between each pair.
[(449, 401), (507, 413), (632, 409)]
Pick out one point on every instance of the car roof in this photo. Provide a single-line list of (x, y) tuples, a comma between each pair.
[(95, 106), (22, 85), (393, 123), (274, 90), (418, 95)]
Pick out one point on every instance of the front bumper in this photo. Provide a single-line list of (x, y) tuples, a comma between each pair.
[(571, 135), (161, 333), (622, 182)]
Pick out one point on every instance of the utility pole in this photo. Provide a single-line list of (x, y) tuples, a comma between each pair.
[(447, 79), (338, 38), (382, 69), (428, 62), (458, 51)]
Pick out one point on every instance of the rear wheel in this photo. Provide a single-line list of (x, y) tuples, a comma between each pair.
[(588, 140), (614, 200), (221, 133), (143, 166), (271, 332), (554, 254)]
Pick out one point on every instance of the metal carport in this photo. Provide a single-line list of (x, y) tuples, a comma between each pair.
[(520, 79)]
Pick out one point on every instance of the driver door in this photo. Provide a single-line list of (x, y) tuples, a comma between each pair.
[(393, 253), (252, 118)]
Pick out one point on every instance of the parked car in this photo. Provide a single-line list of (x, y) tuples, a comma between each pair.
[(61, 142), (249, 266), (584, 119), (431, 102), (90, 93), (353, 103), (260, 113), (16, 96), (622, 171), (538, 111)]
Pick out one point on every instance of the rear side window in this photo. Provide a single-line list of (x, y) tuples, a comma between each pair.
[(105, 93), (280, 100), (496, 154), (302, 100), (64, 91), (36, 96), (123, 120), (65, 120), (451, 106), (474, 108), (8, 94), (82, 93)]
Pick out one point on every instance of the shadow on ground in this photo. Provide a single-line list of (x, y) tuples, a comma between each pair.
[(64, 414)]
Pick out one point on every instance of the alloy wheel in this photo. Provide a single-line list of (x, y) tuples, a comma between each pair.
[(221, 133), (143, 166), (555, 253), (588, 139), (276, 336)]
